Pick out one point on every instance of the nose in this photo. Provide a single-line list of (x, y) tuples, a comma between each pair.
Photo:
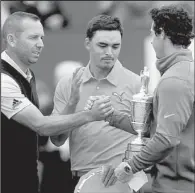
[(109, 51), (40, 43)]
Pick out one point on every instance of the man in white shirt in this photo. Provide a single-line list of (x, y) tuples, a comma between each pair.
[(20, 117)]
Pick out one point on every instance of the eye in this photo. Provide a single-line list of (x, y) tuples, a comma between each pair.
[(102, 46), (33, 37), (115, 47)]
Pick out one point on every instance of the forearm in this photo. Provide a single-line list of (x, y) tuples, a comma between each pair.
[(56, 125), (154, 151), (59, 140), (69, 108), (122, 121)]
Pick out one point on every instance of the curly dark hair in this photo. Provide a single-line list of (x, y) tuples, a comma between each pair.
[(103, 22), (175, 22)]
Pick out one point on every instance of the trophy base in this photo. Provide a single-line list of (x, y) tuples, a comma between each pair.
[(143, 129), (134, 147)]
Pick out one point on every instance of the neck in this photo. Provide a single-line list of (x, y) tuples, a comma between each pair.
[(15, 58), (98, 73), (171, 49)]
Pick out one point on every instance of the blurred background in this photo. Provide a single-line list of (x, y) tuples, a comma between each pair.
[(65, 25)]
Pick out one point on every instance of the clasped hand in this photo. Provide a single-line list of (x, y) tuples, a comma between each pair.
[(102, 103)]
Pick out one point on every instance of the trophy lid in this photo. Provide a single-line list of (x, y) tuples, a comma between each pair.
[(143, 95)]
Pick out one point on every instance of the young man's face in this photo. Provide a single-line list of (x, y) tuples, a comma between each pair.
[(104, 48), (29, 43), (157, 43)]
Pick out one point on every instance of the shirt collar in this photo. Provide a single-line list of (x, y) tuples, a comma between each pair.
[(6, 57), (112, 76), (166, 62)]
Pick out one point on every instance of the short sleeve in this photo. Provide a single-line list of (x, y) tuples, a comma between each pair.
[(62, 94), (12, 99)]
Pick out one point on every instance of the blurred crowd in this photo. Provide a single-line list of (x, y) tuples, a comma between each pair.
[(56, 15), (54, 164)]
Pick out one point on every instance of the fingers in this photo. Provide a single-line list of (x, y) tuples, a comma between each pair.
[(76, 71), (109, 112), (80, 73), (77, 75), (93, 98), (114, 181), (88, 107), (89, 103), (105, 172), (106, 110), (102, 100), (109, 177), (105, 105)]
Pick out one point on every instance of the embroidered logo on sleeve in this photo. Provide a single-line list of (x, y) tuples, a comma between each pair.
[(15, 103)]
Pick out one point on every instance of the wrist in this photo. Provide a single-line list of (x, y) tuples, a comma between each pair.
[(88, 116), (109, 118)]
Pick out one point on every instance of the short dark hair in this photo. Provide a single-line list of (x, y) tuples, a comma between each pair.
[(12, 23), (175, 22), (103, 22)]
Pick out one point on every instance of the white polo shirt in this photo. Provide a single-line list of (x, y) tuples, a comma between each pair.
[(12, 99), (97, 143)]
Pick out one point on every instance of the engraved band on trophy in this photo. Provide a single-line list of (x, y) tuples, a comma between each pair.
[(141, 111)]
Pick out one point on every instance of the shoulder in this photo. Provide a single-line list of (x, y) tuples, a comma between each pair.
[(131, 74), (174, 86), (64, 85), (130, 79), (8, 81), (183, 70)]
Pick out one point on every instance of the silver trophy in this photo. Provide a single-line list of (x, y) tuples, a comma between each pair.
[(141, 113)]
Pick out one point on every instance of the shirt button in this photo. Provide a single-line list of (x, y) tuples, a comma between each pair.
[(97, 87)]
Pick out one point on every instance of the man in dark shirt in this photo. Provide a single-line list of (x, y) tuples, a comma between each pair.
[(171, 148)]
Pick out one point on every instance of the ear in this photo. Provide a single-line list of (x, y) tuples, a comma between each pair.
[(11, 40), (87, 43), (162, 35)]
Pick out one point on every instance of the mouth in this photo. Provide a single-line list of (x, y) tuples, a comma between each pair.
[(36, 53), (108, 59)]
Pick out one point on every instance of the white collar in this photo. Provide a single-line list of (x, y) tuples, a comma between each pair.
[(26, 75)]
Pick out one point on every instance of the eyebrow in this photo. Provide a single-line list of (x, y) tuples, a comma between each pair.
[(103, 43), (36, 34)]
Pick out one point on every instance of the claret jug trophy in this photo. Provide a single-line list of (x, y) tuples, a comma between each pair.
[(141, 116)]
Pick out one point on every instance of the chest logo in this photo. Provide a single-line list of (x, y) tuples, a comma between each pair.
[(119, 96)]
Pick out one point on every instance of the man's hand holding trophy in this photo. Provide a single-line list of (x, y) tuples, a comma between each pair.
[(141, 116)]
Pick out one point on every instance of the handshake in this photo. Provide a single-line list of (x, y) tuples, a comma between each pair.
[(100, 107)]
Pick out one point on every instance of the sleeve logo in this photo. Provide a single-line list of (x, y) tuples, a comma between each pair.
[(15, 103)]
